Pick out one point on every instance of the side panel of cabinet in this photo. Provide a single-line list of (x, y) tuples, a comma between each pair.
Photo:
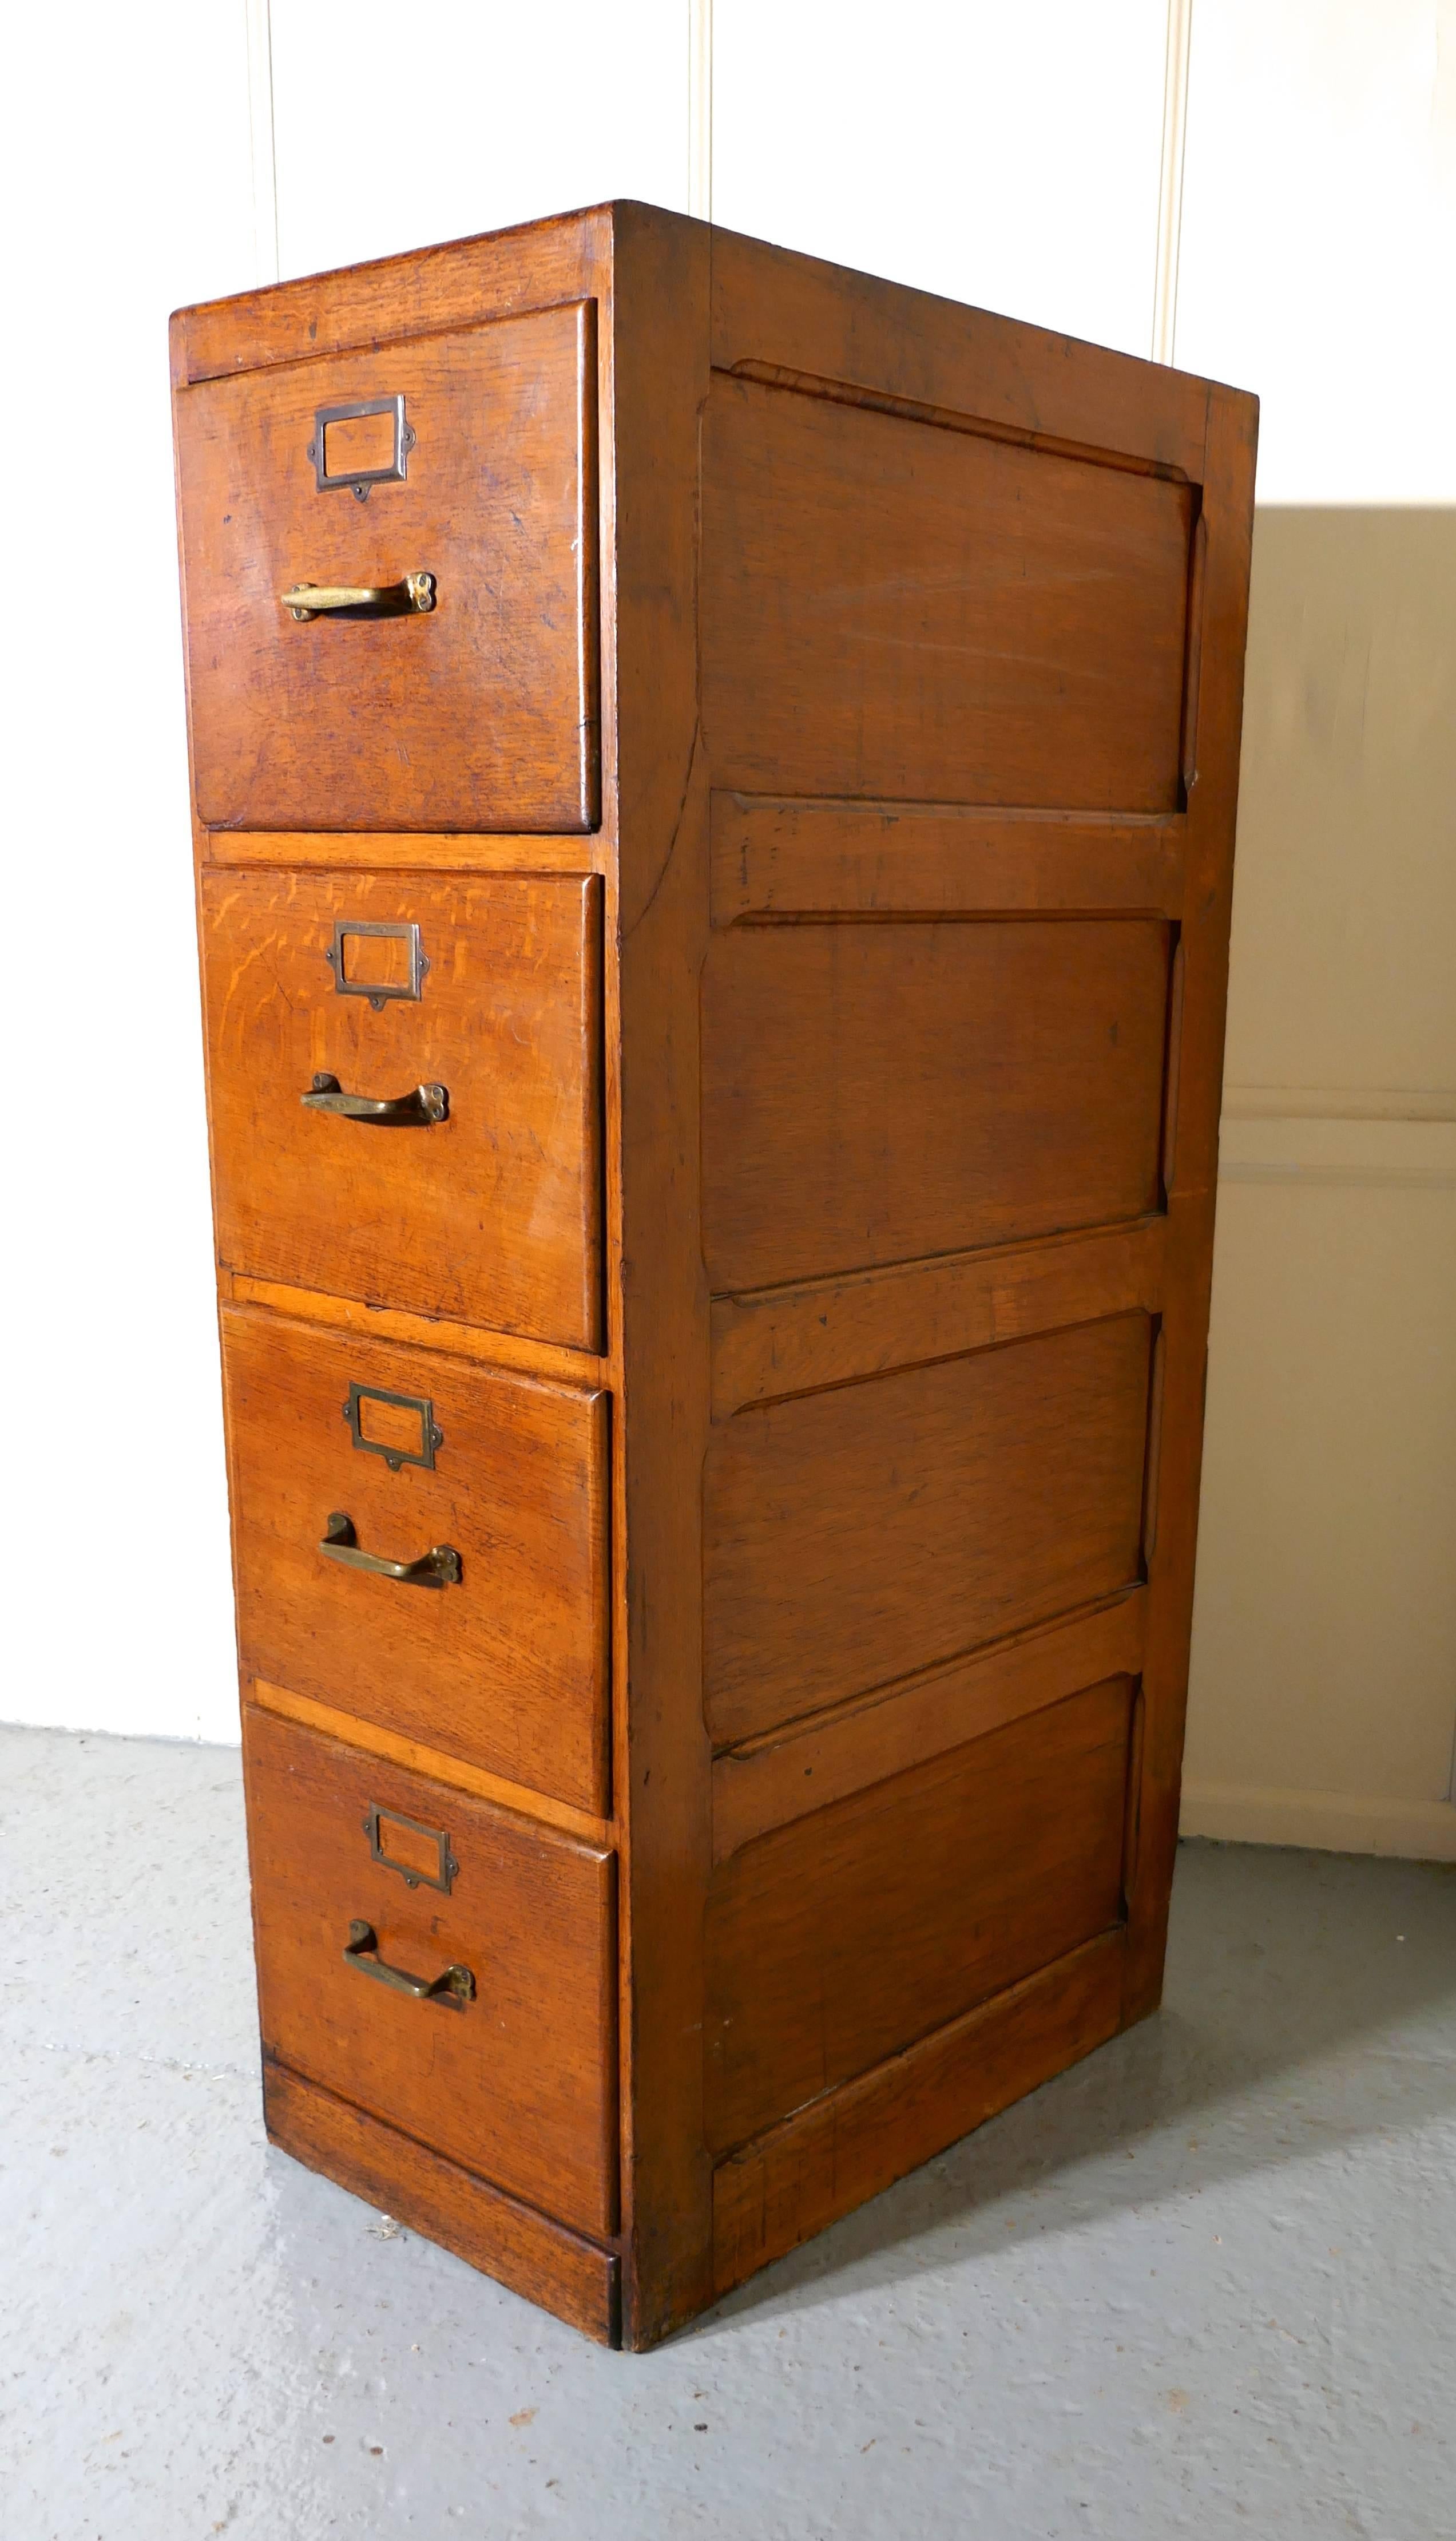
[(898, 609), (860, 1533), (836, 1941)]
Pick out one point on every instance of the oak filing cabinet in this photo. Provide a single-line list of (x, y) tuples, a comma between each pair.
[(715, 785)]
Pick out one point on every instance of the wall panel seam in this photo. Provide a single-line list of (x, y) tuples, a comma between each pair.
[(262, 138)]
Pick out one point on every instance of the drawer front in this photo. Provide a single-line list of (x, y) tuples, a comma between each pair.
[(477, 713), (489, 990), (505, 1665), (513, 2074)]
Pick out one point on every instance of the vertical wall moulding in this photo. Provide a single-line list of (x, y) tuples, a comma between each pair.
[(1170, 179), (700, 109), (260, 125)]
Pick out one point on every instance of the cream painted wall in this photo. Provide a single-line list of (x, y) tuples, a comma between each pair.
[(1318, 239), (1016, 156), (1323, 1699)]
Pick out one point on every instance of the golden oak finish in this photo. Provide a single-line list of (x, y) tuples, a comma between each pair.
[(769, 1780), (506, 1667), (517, 2083), (773, 858), (834, 1942), (420, 1757), (883, 1093), (818, 1333), (481, 713), (527, 2252), (813, 790), (854, 2141), (861, 1532), (489, 1215), (963, 621)]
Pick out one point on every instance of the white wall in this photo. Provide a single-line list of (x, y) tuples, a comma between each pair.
[(128, 176), (1318, 244), (131, 169), (1011, 155)]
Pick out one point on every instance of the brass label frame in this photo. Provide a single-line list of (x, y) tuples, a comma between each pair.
[(359, 481), (403, 931), (376, 1817), (431, 1434)]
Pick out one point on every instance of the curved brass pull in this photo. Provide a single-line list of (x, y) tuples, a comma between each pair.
[(439, 1567), (415, 595), (362, 1951), (417, 1110)]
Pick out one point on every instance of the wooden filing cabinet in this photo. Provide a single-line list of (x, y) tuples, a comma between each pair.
[(714, 783)]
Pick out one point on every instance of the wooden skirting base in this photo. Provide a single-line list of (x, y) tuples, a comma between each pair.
[(829, 2158), (522, 2249)]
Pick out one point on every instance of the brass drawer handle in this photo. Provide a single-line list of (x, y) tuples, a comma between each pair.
[(414, 596), (417, 1110), (439, 1567), (362, 1950)]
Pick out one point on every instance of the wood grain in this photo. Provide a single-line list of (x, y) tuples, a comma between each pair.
[(824, 1331), (508, 1669), (491, 1216), (660, 929), (835, 1941), (392, 299), (878, 1093), (851, 334), (894, 610), (877, 1505), (482, 715), (426, 1332), (419, 1758), (512, 2242), (773, 858), (858, 1534), (784, 1775), (1214, 754), (518, 2085), (857, 2139), (406, 850)]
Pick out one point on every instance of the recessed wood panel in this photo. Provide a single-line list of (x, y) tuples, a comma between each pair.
[(506, 1668), (893, 608), (481, 714), (856, 1535), (837, 1940), (491, 1216), (852, 2142), (875, 1092), (517, 2083)]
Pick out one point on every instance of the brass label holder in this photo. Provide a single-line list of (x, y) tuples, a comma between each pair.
[(379, 992), (376, 1820), (358, 479), (431, 1434)]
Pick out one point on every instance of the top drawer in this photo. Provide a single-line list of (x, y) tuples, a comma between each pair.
[(476, 466)]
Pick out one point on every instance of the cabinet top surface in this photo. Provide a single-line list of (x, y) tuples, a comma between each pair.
[(459, 281)]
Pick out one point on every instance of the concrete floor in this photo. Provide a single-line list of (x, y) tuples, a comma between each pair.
[(1203, 2285)]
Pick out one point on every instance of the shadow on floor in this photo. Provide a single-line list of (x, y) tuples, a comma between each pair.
[(1310, 2001)]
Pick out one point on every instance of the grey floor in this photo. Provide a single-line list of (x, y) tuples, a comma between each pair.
[(1203, 2285)]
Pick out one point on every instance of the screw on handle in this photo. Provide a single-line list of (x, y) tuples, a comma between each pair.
[(413, 596), (439, 1567), (362, 1951), (420, 1108)]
